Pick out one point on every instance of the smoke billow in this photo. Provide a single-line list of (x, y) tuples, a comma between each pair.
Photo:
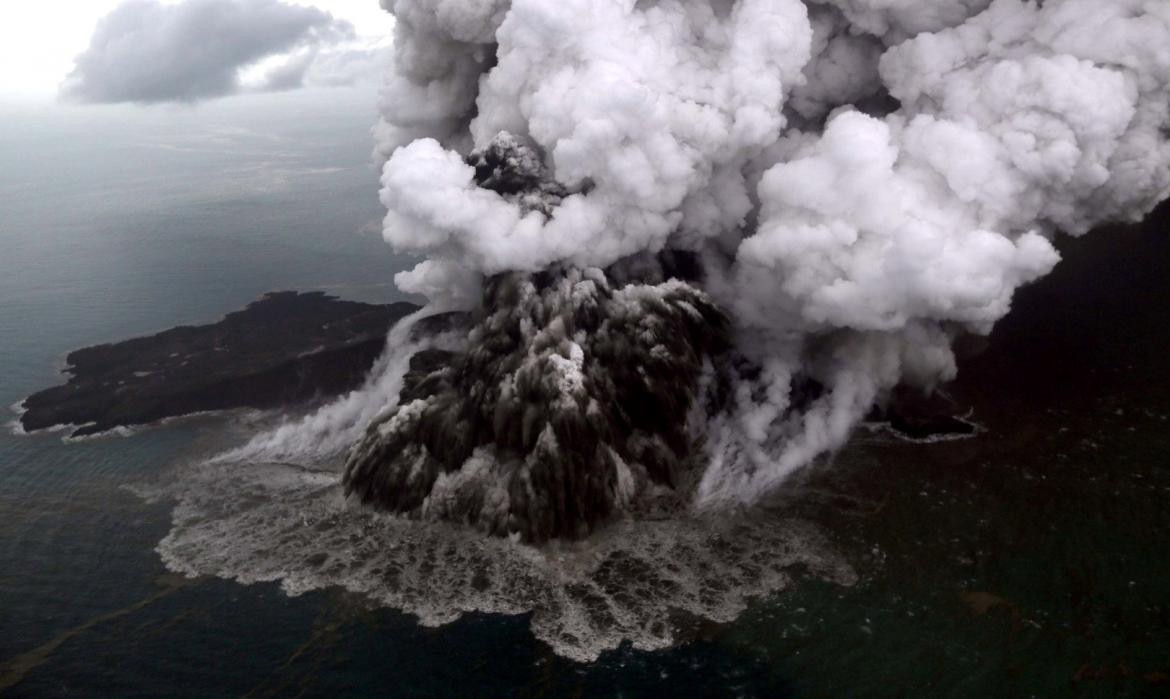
[(764, 213)]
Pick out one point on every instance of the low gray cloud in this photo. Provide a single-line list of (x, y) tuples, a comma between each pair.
[(146, 51), (331, 67)]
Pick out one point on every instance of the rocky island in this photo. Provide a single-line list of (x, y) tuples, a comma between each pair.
[(285, 348)]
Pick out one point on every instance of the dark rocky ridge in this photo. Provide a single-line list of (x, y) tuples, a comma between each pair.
[(569, 398), (285, 348)]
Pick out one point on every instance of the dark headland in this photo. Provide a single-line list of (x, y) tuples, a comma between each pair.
[(285, 348), (289, 347)]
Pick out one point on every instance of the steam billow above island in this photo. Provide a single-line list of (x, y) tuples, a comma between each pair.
[(695, 242)]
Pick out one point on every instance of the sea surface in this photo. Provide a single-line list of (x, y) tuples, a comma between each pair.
[(1031, 560)]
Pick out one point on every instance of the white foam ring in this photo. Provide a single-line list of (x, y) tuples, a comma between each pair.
[(263, 522), (274, 511), (885, 428), (121, 431), (15, 426)]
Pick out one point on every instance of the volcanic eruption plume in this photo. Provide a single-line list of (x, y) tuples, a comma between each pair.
[(698, 240)]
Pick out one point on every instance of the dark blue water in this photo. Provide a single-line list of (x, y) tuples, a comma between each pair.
[(1031, 561), (122, 222)]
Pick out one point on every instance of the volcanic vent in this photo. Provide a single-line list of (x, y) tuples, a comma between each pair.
[(569, 397), (835, 190)]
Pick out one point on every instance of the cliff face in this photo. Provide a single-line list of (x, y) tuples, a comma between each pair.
[(286, 347)]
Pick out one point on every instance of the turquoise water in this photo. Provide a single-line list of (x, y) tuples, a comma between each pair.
[(1028, 561)]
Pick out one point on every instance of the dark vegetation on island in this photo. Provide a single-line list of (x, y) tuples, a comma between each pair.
[(283, 349)]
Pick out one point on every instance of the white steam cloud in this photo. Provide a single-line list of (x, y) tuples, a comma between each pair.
[(862, 179), (333, 428)]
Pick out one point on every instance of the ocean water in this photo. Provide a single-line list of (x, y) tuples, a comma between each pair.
[(1030, 560)]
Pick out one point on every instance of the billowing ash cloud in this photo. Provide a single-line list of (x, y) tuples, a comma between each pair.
[(857, 182), (147, 51)]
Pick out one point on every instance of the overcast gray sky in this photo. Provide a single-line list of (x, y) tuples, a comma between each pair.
[(40, 42)]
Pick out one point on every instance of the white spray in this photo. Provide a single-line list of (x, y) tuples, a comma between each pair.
[(854, 214), (862, 179), (332, 429)]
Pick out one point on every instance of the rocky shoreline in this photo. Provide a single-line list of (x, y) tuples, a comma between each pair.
[(285, 348)]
